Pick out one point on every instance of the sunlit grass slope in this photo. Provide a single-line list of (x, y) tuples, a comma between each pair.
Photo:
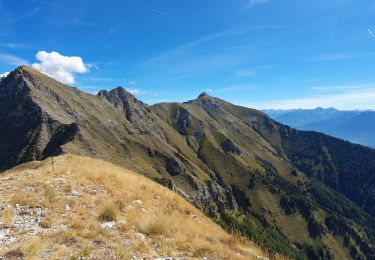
[(70, 207)]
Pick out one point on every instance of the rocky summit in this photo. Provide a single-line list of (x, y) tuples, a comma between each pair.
[(297, 194)]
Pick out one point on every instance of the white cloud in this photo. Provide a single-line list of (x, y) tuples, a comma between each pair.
[(59, 67), (94, 65), (3, 75)]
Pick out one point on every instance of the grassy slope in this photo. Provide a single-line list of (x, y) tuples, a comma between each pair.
[(172, 227), (249, 129), (195, 142)]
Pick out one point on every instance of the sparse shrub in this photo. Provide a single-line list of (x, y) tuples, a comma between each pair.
[(21, 199), (77, 225), (49, 193), (120, 252), (87, 234), (315, 228), (292, 204), (120, 205), (141, 246), (67, 188), (252, 182), (121, 226), (15, 254), (85, 252), (153, 228), (200, 252), (318, 251), (68, 239), (108, 213), (45, 223), (7, 215), (271, 239)]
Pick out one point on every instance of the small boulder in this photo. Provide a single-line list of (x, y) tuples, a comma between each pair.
[(138, 202), (6, 238), (140, 236), (74, 193), (109, 226), (67, 208), (127, 242)]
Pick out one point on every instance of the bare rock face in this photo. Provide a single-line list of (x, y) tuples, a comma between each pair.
[(229, 146), (27, 132), (42, 117), (120, 98), (135, 111), (182, 120), (173, 167)]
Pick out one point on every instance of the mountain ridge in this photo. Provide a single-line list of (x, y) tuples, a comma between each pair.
[(236, 164)]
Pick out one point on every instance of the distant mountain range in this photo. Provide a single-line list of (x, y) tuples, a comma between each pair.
[(299, 194), (354, 126)]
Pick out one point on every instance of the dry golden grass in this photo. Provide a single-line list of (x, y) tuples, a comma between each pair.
[(154, 220), (7, 216), (108, 213)]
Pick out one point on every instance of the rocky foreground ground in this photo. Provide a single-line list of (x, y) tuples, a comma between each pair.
[(73, 207)]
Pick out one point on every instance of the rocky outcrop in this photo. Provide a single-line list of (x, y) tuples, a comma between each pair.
[(133, 108), (173, 167), (229, 146), (182, 120), (215, 199), (136, 112), (26, 129), (64, 134)]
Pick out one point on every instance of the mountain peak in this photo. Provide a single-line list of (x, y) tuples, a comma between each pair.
[(26, 69), (26, 72), (119, 89), (115, 92), (203, 94), (203, 98)]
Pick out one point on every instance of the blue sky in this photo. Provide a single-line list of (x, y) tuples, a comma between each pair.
[(257, 53)]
